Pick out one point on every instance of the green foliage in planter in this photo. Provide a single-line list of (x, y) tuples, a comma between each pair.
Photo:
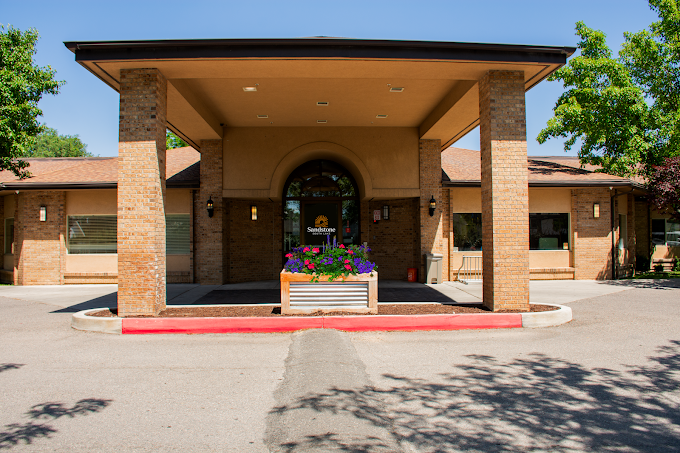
[(332, 260)]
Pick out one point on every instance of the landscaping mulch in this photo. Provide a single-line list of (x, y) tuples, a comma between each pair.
[(269, 311)]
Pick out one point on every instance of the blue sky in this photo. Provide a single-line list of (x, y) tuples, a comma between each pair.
[(89, 108)]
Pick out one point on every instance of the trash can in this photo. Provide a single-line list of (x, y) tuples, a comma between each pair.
[(433, 269), (412, 274)]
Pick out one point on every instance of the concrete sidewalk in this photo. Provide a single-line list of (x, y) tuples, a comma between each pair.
[(74, 298)]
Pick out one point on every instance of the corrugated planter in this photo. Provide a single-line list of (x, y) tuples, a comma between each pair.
[(355, 293)]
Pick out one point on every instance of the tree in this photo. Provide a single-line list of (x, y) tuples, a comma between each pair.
[(664, 188), (623, 111), (173, 141), (50, 144), (22, 85)]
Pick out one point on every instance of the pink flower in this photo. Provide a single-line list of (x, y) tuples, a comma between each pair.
[(342, 246), (311, 266), (348, 267), (289, 255), (306, 249), (315, 250), (351, 252), (346, 261), (306, 261)]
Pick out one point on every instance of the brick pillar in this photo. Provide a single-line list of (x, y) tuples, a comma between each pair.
[(431, 228), (209, 230), (141, 192), (505, 191), (39, 251)]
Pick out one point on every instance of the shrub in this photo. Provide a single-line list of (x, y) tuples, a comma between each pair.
[(658, 268)]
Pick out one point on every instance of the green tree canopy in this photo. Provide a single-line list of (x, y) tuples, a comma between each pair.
[(173, 141), (22, 85), (622, 111), (50, 144)]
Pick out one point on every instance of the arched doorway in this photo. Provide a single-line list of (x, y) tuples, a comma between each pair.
[(320, 200)]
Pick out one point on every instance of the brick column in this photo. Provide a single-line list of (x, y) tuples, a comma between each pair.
[(39, 251), (209, 230), (505, 191), (141, 192), (431, 228)]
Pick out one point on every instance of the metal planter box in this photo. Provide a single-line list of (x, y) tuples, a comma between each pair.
[(357, 294)]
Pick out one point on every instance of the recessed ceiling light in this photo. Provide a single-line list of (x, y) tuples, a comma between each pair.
[(249, 88), (396, 89), (322, 103), (263, 116), (322, 121), (381, 116)]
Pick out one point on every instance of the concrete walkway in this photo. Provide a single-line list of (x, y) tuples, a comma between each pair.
[(74, 298)]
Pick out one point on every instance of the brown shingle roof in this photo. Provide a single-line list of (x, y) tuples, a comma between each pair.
[(462, 167), (182, 169)]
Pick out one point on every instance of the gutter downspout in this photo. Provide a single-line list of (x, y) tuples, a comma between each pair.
[(615, 249)]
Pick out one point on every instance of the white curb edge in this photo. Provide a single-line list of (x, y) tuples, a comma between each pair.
[(547, 318), (81, 321)]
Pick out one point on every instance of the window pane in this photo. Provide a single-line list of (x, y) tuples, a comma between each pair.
[(658, 231), (92, 234), (549, 231), (291, 225), (672, 233), (9, 236), (177, 240), (467, 231)]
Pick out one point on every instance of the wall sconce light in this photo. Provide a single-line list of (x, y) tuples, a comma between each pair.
[(386, 212), (210, 207), (43, 213), (253, 212), (596, 210), (433, 205)]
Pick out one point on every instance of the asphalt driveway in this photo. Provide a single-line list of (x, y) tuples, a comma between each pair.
[(607, 381)]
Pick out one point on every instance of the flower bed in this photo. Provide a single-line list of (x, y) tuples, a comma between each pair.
[(329, 278)]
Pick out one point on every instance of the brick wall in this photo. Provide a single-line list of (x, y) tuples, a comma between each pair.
[(643, 234), (141, 192), (39, 246), (251, 249), (592, 242), (505, 191), (209, 231), (431, 227), (395, 242)]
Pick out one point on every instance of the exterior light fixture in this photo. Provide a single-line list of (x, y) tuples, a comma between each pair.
[(596, 210), (322, 103), (396, 89), (386, 212), (322, 121), (433, 205), (211, 208), (250, 89), (253, 212), (43, 213), (381, 116), (263, 116)]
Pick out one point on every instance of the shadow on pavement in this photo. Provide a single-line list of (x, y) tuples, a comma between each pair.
[(540, 403), (651, 283), (10, 366), (107, 301), (16, 433)]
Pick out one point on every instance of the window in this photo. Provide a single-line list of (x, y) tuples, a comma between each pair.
[(467, 232), (549, 231), (177, 240), (623, 232), (9, 236), (92, 234), (665, 232)]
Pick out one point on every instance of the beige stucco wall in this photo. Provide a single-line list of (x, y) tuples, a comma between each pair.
[(9, 206), (549, 200), (104, 202), (389, 155), (538, 259)]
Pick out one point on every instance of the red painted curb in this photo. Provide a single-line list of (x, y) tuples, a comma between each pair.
[(346, 323), (219, 325), (423, 322)]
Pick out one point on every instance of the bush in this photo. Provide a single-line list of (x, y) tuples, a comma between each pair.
[(676, 264), (658, 268), (641, 263)]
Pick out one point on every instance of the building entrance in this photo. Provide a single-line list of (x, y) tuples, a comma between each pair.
[(321, 201)]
